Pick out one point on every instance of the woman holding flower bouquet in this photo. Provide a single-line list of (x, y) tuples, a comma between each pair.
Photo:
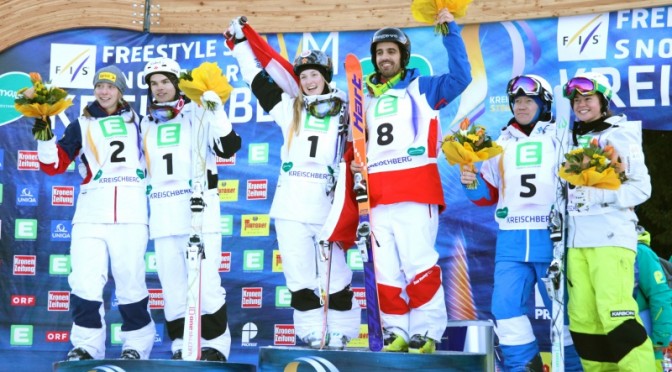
[(312, 116), (175, 158), (523, 187), (110, 221), (602, 237)]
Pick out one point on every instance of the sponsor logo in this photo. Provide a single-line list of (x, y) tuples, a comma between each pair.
[(257, 153), (25, 229), (622, 313), (354, 259), (22, 300), (253, 260), (10, 83), (360, 296), (221, 162), (150, 262), (255, 225), (57, 336), (257, 189), (26, 195), (27, 160), (248, 333), (226, 223), (72, 65), (24, 264), (115, 333), (61, 230), (283, 297), (284, 335), (63, 196), (583, 37), (225, 264), (252, 297), (228, 190), (156, 298), (59, 264), (58, 301), (21, 335), (276, 265)]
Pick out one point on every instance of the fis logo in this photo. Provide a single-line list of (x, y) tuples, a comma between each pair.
[(72, 65), (248, 333), (583, 37)]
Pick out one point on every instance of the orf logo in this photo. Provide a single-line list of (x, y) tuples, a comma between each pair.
[(23, 300), (57, 336)]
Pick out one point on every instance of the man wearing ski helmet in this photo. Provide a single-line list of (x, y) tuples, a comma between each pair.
[(524, 193), (312, 116), (602, 236), (178, 156), (406, 196)]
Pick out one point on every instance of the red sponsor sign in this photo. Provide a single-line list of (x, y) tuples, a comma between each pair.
[(221, 162), (24, 264), (23, 300), (155, 298), (360, 296), (257, 189), (252, 297), (63, 196), (284, 335), (58, 301), (57, 336), (225, 265), (27, 160)]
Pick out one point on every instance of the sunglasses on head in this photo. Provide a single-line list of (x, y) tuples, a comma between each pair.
[(528, 86)]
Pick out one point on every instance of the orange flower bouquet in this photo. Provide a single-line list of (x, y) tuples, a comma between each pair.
[(41, 101), (593, 166), (469, 145), (425, 11), (206, 77)]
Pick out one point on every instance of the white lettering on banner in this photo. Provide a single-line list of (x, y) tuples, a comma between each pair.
[(644, 18), (115, 54), (639, 82)]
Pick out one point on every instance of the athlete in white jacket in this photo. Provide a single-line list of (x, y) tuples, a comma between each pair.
[(312, 126), (110, 221), (176, 157)]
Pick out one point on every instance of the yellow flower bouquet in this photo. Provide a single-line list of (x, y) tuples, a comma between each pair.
[(41, 101), (593, 166), (206, 77), (425, 11), (469, 145)]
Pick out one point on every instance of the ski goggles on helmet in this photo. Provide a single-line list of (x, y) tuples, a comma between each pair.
[(165, 112), (321, 108), (583, 86), (529, 86)]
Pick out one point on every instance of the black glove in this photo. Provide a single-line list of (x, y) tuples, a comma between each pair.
[(42, 129)]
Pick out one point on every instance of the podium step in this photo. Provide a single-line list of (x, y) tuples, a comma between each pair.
[(298, 359), (153, 365)]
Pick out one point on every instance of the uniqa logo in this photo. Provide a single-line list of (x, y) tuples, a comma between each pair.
[(319, 364)]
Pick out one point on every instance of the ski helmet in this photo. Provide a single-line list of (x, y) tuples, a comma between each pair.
[(395, 35), (162, 65), (600, 84), (532, 86), (315, 59)]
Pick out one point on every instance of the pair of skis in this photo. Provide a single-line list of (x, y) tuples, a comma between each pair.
[(353, 71)]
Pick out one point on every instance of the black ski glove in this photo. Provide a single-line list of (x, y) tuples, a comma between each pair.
[(42, 129)]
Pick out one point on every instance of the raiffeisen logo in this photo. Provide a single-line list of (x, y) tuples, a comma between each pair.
[(583, 37), (72, 65)]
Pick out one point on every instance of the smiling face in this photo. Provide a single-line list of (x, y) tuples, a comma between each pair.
[(108, 96), (388, 58), (525, 110), (162, 88), (587, 108), (312, 82)]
